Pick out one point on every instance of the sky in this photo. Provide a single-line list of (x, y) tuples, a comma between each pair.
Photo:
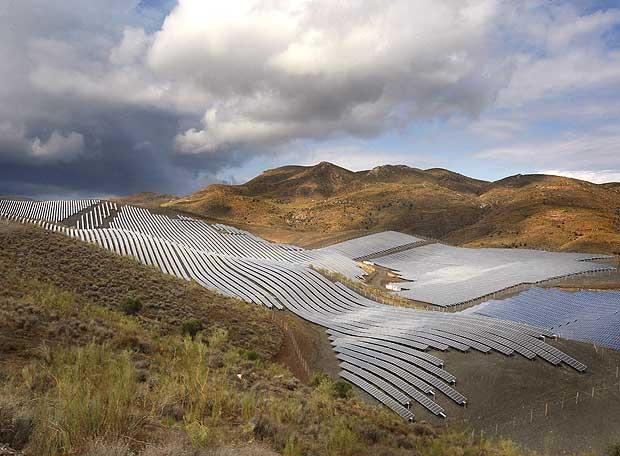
[(112, 97)]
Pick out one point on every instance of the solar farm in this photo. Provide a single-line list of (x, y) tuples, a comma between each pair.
[(392, 353)]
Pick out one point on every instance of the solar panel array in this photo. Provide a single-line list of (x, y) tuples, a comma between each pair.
[(383, 350), (49, 211), (446, 276), (374, 245), (96, 216), (586, 315)]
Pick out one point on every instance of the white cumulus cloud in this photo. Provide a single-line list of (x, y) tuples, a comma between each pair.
[(57, 146), (274, 71)]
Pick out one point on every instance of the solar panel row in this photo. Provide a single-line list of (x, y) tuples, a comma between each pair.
[(585, 315)]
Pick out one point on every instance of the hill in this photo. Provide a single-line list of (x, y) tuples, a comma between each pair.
[(294, 203), (100, 355), (146, 199)]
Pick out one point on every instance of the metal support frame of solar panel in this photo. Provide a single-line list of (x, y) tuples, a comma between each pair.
[(373, 243), (392, 250)]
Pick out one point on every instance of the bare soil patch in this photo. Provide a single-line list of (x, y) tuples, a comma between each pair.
[(536, 404)]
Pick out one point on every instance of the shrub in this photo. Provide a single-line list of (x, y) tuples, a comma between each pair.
[(199, 434), (131, 306), (318, 378), (191, 327), (291, 448), (341, 389), (253, 355), (249, 405), (614, 450), (341, 441)]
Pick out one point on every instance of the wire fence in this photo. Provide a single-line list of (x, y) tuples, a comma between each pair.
[(301, 359), (557, 406)]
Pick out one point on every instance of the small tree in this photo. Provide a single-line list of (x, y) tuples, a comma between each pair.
[(131, 306), (191, 327)]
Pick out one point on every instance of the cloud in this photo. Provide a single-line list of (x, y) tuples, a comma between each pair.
[(564, 52), (57, 147), (497, 128), (121, 96), (274, 72), (594, 150), (132, 47), (598, 177)]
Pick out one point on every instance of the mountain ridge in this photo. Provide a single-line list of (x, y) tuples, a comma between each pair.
[(525, 210)]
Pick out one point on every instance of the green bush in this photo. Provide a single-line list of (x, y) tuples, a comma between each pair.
[(318, 378), (252, 355), (191, 327), (614, 450), (341, 389), (131, 306), (291, 448), (341, 440)]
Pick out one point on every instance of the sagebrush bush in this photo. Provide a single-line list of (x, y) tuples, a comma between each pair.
[(191, 327), (253, 355), (341, 389), (292, 447), (131, 306), (317, 378), (342, 441)]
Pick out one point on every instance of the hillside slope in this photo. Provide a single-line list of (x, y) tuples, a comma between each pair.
[(536, 211), (81, 372)]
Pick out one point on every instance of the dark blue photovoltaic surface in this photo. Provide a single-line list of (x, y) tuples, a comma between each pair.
[(592, 316)]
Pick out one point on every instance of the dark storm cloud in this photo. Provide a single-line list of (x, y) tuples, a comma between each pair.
[(56, 139)]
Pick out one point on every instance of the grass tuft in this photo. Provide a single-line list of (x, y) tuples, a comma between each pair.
[(92, 394)]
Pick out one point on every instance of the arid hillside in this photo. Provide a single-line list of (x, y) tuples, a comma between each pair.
[(316, 204), (100, 355)]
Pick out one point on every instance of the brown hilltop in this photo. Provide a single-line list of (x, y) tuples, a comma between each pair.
[(294, 203)]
